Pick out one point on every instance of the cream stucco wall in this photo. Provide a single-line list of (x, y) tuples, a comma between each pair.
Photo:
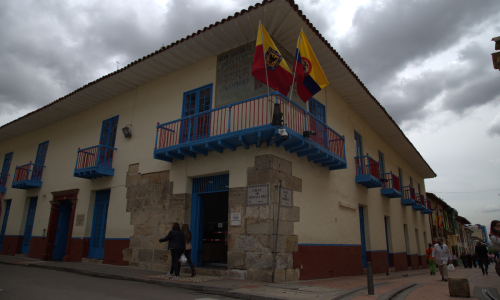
[(322, 219)]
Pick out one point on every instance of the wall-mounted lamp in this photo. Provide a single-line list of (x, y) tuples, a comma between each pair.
[(127, 132)]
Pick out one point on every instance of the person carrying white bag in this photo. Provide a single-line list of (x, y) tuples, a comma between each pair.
[(442, 256)]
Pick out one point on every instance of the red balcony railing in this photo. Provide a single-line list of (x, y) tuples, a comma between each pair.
[(100, 156), (246, 114), (389, 180), (23, 172), (408, 193), (366, 165)]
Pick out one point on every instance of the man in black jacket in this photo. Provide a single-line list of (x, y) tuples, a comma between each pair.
[(482, 256), (176, 245)]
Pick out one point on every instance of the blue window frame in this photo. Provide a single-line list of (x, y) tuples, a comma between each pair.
[(358, 143), (317, 109), (5, 170), (40, 161), (28, 229), (195, 102), (4, 223), (381, 163), (400, 172), (108, 132), (108, 137)]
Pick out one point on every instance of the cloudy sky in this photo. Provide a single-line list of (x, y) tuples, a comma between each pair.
[(428, 63)]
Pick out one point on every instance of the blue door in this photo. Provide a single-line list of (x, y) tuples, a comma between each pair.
[(195, 103), (197, 220), (29, 226), (108, 137), (362, 228), (387, 243), (62, 231), (99, 224), (203, 186), (40, 161), (4, 224), (318, 110)]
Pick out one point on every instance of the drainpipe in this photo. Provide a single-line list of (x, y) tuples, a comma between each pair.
[(277, 229)]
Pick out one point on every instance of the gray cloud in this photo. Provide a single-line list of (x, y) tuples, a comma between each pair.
[(494, 127), (490, 208)]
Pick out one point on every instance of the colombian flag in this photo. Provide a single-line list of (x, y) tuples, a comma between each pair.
[(279, 76), (314, 78)]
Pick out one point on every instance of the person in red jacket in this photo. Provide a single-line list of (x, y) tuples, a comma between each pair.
[(432, 265)]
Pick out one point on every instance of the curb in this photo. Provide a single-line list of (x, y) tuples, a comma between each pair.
[(199, 288)]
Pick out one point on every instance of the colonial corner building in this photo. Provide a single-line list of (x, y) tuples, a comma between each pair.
[(186, 135)]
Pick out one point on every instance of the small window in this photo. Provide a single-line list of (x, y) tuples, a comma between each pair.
[(419, 188), (411, 182), (359, 145), (197, 101)]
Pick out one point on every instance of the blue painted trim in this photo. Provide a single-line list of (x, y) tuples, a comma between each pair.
[(116, 239), (333, 245)]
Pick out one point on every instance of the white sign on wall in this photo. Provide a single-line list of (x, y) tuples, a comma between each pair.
[(235, 219), (286, 197), (258, 195)]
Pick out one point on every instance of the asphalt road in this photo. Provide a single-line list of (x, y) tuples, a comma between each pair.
[(18, 282)]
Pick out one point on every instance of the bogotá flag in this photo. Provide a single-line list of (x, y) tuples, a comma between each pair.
[(279, 76), (314, 77)]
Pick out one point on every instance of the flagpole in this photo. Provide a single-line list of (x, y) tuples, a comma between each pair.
[(295, 65), (264, 51)]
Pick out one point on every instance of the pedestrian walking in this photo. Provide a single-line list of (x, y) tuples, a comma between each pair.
[(187, 252), (495, 240), (482, 257), (464, 259), (474, 259), (176, 245), (469, 260), (454, 260), (442, 257), (432, 265)]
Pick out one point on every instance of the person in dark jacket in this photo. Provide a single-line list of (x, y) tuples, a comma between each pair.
[(187, 252), (469, 260), (482, 257), (464, 259), (176, 245)]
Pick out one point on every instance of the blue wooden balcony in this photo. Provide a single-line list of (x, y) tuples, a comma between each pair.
[(367, 171), (408, 196), (246, 123), (28, 176), (419, 199), (94, 162), (3, 183), (390, 185), (428, 208)]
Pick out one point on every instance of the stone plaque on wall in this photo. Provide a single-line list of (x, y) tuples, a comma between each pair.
[(80, 220), (258, 195), (286, 197)]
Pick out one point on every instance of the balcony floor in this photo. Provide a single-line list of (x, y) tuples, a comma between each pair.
[(426, 211), (418, 207), (391, 193), (26, 184), (368, 180), (94, 172), (408, 202), (295, 143)]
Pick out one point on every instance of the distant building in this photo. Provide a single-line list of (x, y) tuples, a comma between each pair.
[(479, 232)]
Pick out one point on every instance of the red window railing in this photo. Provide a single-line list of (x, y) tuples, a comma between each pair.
[(408, 192), (3, 180), (367, 165), (100, 155), (389, 180), (249, 113), (23, 172)]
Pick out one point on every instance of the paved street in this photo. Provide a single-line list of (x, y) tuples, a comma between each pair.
[(26, 278), (18, 282)]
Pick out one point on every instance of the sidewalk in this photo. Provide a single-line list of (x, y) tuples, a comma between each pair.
[(412, 284)]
